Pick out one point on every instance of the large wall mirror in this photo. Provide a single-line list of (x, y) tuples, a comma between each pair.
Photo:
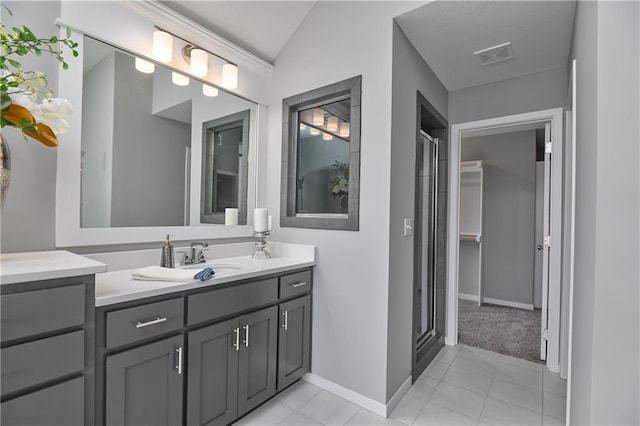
[(321, 159), (159, 151)]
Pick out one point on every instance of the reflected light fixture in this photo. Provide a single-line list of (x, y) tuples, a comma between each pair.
[(327, 137), (209, 90), (303, 126), (230, 76), (332, 124), (344, 130), (199, 62), (179, 79), (318, 117), (144, 66), (314, 132), (162, 46)]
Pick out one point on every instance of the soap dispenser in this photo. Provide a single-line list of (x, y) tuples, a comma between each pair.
[(166, 257)]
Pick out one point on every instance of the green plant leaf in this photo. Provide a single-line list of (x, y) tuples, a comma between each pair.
[(5, 101), (14, 63), (53, 39), (68, 32), (65, 66)]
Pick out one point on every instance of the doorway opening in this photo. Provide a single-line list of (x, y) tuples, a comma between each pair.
[(550, 322)]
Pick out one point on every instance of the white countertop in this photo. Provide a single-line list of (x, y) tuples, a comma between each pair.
[(118, 286), (45, 265)]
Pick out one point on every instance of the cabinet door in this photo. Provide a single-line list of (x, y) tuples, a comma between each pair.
[(258, 351), (293, 342), (145, 384), (213, 374)]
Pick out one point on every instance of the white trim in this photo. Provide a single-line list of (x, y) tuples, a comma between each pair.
[(509, 303), (170, 20), (471, 297), (400, 393), (365, 402), (555, 117)]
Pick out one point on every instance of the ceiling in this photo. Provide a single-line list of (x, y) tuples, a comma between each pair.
[(261, 27), (444, 32)]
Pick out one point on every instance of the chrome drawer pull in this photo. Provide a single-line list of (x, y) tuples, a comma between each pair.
[(237, 343), (285, 324), (158, 320), (179, 366), (246, 336), (298, 284)]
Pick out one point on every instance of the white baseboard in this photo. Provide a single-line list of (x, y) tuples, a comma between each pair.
[(474, 298), (382, 410)]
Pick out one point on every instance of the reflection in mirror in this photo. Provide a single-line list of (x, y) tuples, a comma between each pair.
[(142, 137), (321, 157), (224, 165)]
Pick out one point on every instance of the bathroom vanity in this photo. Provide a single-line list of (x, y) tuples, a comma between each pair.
[(200, 352), (46, 307)]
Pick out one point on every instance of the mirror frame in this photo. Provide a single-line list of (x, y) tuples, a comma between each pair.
[(291, 106), (68, 232)]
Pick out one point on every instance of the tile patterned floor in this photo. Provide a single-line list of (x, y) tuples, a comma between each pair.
[(463, 386)]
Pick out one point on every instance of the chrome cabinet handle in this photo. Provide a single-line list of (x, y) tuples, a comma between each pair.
[(285, 323), (158, 320), (237, 343), (179, 366), (298, 284), (246, 335)]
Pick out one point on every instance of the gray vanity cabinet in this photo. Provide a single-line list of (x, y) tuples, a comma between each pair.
[(293, 341), (144, 385), (232, 367)]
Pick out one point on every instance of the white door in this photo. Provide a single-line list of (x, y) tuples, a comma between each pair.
[(546, 226)]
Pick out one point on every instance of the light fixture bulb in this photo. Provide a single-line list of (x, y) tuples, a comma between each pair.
[(318, 117), (303, 126), (314, 132), (327, 137), (230, 76), (144, 66), (345, 129), (332, 124), (209, 90), (199, 62), (162, 46), (179, 79)]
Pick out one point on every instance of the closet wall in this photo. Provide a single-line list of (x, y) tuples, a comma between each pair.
[(508, 216)]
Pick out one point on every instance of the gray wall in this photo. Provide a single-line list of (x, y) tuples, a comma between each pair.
[(605, 368), (517, 95), (508, 213), (28, 216), (410, 74), (148, 155)]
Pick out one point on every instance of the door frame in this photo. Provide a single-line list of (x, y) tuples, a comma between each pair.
[(555, 117)]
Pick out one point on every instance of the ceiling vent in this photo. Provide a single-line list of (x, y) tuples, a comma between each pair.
[(495, 54)]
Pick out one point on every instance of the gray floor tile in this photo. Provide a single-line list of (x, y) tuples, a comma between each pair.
[(329, 409), (552, 383), (458, 399), (271, 413), (468, 379), (552, 421), (446, 355), (501, 413), (423, 387), (435, 414), (522, 396), (297, 418), (522, 363), (407, 409), (367, 418), (436, 369), (298, 394), (554, 405), (473, 362), (518, 375)]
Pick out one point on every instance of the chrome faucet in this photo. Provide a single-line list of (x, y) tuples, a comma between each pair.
[(195, 255)]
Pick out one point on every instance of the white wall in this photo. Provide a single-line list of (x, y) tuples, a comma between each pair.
[(410, 74), (28, 216), (509, 214), (605, 369), (533, 92), (351, 280)]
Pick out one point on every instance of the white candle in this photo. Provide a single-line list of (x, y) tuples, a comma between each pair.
[(270, 222), (261, 220), (230, 217)]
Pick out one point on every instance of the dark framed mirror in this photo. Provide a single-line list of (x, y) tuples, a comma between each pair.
[(321, 157)]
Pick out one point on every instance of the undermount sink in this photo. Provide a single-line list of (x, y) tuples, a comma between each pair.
[(215, 266)]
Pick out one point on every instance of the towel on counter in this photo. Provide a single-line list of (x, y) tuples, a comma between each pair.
[(158, 273)]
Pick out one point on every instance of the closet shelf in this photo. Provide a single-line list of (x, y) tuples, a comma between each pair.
[(470, 237), (471, 166)]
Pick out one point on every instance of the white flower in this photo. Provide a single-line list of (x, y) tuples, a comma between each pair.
[(51, 112)]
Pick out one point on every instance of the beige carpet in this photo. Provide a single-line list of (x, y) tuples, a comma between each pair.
[(509, 331)]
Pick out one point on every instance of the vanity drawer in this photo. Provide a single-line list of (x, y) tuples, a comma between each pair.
[(144, 321), (294, 284), (34, 312), (42, 360), (61, 404), (226, 301)]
